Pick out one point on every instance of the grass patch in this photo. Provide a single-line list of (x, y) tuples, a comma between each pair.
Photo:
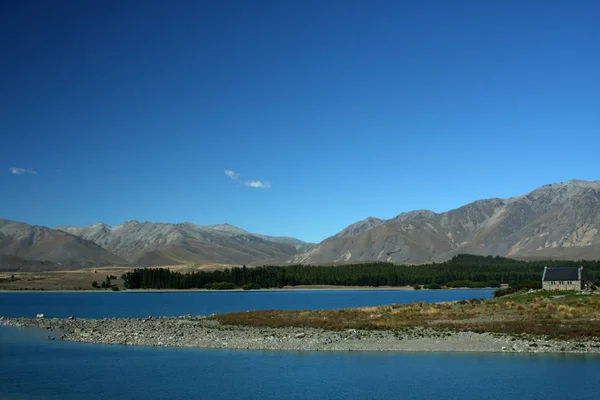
[(564, 315)]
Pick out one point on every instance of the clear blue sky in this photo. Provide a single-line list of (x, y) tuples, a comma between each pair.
[(323, 112)]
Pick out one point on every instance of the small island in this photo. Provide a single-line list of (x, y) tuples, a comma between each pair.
[(532, 321)]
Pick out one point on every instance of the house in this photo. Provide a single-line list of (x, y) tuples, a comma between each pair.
[(562, 279)]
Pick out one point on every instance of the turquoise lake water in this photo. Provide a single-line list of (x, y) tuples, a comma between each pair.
[(32, 367)]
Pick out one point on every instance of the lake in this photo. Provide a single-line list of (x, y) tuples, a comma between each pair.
[(32, 367), (170, 304)]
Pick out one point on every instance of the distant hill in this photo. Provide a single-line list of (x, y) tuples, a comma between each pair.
[(558, 221), (20, 244), (153, 244)]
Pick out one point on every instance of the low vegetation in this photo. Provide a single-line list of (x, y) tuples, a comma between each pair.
[(250, 286), (556, 315), (220, 286), (106, 284), (62, 280)]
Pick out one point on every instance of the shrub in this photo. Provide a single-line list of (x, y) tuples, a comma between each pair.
[(470, 284), (220, 286), (250, 286), (526, 285), (432, 286), (503, 292), (417, 287), (95, 284), (114, 288)]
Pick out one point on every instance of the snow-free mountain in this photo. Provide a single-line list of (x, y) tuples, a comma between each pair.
[(151, 244), (28, 247), (558, 221)]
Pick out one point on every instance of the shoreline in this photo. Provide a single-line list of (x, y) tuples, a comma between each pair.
[(202, 332), (283, 289)]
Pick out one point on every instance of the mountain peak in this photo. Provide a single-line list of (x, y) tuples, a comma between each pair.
[(229, 228), (415, 214), (358, 228)]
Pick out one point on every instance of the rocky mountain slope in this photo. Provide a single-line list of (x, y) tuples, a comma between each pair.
[(558, 221), (22, 244), (151, 244), (554, 221)]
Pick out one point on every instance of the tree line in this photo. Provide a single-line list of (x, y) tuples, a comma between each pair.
[(470, 270)]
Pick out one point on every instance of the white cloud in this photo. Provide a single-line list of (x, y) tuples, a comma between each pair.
[(253, 184), (232, 174), (258, 184), (21, 171)]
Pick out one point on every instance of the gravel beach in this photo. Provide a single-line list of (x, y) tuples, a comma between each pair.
[(201, 332)]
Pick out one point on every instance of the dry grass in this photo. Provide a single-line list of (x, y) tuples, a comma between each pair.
[(565, 317), (82, 279), (60, 280)]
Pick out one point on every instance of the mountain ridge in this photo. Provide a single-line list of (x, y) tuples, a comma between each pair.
[(559, 220), (563, 212), (21, 243), (162, 243)]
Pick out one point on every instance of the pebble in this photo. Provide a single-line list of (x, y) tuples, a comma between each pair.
[(206, 333)]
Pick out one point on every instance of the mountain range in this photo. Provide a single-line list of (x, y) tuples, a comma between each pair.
[(27, 247), (556, 221), (149, 244)]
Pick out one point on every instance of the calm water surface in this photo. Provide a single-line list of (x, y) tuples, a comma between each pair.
[(142, 304), (32, 367)]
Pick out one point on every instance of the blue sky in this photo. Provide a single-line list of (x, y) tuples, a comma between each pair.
[(322, 112)]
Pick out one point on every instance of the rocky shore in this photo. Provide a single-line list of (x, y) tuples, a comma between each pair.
[(202, 332)]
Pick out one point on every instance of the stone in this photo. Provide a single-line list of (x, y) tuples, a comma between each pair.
[(352, 334), (300, 335)]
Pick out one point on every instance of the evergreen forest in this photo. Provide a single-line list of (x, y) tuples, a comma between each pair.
[(464, 270)]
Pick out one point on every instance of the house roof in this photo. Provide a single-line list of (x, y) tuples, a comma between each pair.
[(561, 274)]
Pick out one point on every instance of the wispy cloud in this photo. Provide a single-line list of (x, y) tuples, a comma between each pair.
[(232, 174), (253, 184), (21, 171), (258, 184)]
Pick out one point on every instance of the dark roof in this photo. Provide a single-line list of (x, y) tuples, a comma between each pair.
[(561, 274)]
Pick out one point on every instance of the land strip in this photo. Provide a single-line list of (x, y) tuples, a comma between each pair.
[(202, 332), (80, 279), (560, 315), (532, 322)]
